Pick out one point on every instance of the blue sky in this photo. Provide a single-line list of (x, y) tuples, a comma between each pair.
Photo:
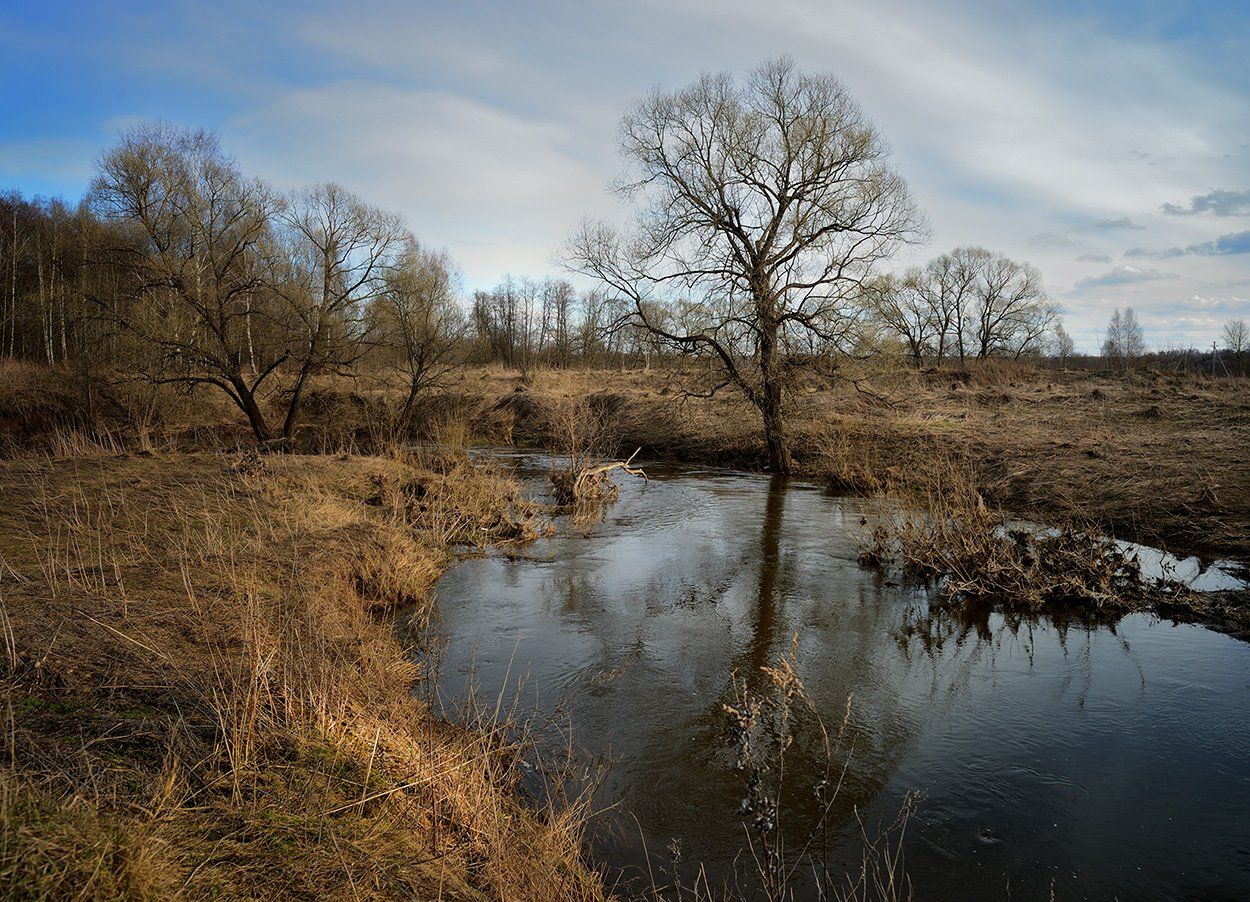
[(1109, 143)]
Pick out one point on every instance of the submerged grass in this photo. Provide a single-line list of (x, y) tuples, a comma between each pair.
[(945, 533)]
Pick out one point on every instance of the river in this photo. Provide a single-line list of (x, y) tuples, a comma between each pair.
[(1090, 762)]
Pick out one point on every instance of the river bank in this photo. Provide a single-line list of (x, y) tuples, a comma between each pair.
[(1154, 458), (1160, 459), (206, 696)]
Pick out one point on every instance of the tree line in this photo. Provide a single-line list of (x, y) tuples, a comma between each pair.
[(765, 211), (970, 302), (179, 268)]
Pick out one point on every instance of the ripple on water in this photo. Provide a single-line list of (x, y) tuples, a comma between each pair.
[(1111, 762)]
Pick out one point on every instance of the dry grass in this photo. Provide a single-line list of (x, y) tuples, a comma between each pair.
[(206, 697), (948, 536), (1156, 458)]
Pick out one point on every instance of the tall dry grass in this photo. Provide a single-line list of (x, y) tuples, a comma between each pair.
[(206, 695)]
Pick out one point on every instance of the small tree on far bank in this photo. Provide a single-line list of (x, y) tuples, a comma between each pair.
[(1062, 346), (418, 323), (763, 207), (1124, 341), (971, 301), (901, 305), (1236, 335)]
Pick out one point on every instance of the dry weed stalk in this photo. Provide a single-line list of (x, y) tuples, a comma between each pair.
[(767, 714)]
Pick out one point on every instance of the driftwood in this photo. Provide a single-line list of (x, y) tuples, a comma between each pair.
[(591, 484)]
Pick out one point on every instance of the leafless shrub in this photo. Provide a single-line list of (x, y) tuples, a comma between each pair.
[(583, 434)]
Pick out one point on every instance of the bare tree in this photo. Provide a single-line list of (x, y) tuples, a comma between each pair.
[(418, 321), (197, 230), (594, 321), (1011, 313), (1124, 341), (904, 306), (764, 205), (1236, 335), (340, 252), (950, 285), (1063, 346), (558, 299)]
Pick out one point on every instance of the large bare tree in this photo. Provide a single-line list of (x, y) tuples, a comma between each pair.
[(192, 239), (949, 286), (761, 205)]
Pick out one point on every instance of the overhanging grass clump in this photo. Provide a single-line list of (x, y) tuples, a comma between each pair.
[(945, 534)]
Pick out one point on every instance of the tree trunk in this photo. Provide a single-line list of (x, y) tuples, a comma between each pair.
[(292, 411), (251, 409), (404, 421), (779, 460)]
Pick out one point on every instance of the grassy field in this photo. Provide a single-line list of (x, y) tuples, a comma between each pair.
[(205, 695), (1151, 457)]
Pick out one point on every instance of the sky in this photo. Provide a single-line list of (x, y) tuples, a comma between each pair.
[(1108, 142)]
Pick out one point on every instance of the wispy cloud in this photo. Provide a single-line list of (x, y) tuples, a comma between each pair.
[(1232, 244), (1142, 253), (492, 126), (1073, 237), (1107, 225), (1053, 240), (1122, 275), (1218, 203), (1231, 306)]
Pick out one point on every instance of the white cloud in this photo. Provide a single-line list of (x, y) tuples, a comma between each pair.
[(479, 179), (1122, 275)]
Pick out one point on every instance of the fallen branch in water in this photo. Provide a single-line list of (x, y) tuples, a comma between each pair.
[(592, 484)]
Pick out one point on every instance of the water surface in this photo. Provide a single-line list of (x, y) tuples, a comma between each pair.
[(1096, 762)]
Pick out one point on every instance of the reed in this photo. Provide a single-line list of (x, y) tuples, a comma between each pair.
[(941, 530)]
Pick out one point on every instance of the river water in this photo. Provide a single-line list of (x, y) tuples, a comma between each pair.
[(1088, 762)]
